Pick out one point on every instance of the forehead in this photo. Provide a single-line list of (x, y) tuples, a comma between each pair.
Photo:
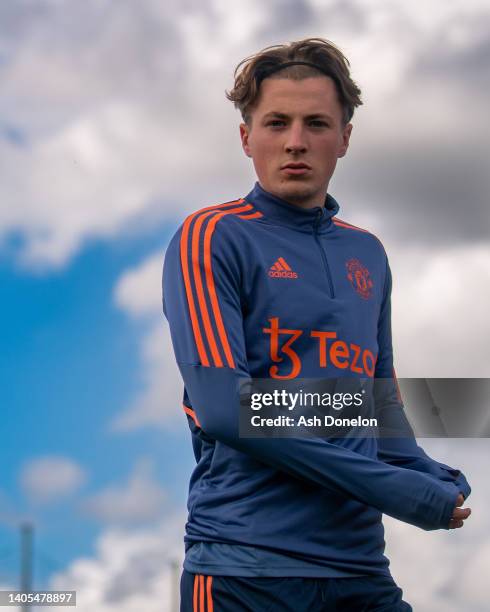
[(305, 96)]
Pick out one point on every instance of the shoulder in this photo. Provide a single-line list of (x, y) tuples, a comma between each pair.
[(213, 229), (214, 222), (232, 209), (356, 233)]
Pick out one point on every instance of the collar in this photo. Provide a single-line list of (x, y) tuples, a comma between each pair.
[(318, 218)]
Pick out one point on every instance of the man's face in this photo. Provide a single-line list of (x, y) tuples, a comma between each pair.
[(297, 122)]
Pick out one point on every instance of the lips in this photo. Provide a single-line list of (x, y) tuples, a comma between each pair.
[(296, 169), (296, 166)]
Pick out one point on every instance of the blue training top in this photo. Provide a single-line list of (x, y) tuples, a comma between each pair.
[(261, 288)]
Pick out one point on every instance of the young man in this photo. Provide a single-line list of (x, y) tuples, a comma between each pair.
[(274, 285)]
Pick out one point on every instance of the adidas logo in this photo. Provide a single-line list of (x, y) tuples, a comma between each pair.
[(281, 270)]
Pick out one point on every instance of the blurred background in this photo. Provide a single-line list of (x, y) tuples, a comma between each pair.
[(114, 126)]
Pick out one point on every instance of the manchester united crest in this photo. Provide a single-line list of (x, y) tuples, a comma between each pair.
[(359, 277)]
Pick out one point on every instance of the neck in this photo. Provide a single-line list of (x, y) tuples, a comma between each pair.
[(301, 200)]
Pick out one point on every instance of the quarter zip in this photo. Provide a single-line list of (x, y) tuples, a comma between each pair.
[(316, 225)]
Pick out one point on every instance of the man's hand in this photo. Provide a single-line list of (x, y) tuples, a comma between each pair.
[(459, 515)]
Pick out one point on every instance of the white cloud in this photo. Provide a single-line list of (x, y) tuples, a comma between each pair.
[(444, 571), (159, 401), (128, 140), (440, 315), (131, 570), (46, 479), (104, 146), (236, 24), (474, 577), (91, 179), (139, 290), (139, 500)]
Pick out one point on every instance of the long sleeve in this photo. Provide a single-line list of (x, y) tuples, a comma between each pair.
[(403, 450), (202, 281)]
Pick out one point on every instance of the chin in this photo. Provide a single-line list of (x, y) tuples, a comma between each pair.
[(296, 189)]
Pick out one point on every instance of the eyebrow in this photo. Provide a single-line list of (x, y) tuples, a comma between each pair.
[(308, 117)]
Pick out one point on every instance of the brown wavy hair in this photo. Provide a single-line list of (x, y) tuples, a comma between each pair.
[(249, 73)]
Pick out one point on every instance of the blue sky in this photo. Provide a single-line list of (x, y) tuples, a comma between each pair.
[(113, 127), (69, 363)]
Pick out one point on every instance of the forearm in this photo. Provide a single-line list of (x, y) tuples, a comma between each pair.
[(402, 450), (407, 495)]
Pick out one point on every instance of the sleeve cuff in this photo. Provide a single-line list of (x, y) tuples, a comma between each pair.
[(463, 486)]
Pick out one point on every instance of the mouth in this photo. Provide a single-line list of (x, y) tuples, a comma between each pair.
[(295, 169)]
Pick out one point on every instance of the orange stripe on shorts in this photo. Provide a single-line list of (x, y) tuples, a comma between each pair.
[(209, 583)]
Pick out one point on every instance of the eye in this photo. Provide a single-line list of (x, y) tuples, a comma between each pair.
[(318, 123), (275, 122)]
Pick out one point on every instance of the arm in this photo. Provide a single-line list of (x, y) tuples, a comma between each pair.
[(203, 308), (402, 451)]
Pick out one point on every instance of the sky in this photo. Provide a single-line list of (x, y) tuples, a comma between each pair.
[(113, 126)]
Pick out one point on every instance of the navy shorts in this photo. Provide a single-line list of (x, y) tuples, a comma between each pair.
[(201, 593)]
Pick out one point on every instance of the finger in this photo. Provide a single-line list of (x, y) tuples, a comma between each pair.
[(455, 524), (460, 500), (461, 513)]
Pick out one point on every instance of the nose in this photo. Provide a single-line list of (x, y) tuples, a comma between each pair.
[(296, 139)]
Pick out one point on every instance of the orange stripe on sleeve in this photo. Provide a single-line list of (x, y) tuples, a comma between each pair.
[(192, 414), (255, 215), (184, 260), (210, 279), (209, 582), (188, 290), (341, 223), (199, 289)]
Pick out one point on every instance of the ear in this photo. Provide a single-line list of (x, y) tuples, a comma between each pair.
[(244, 135), (346, 132)]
